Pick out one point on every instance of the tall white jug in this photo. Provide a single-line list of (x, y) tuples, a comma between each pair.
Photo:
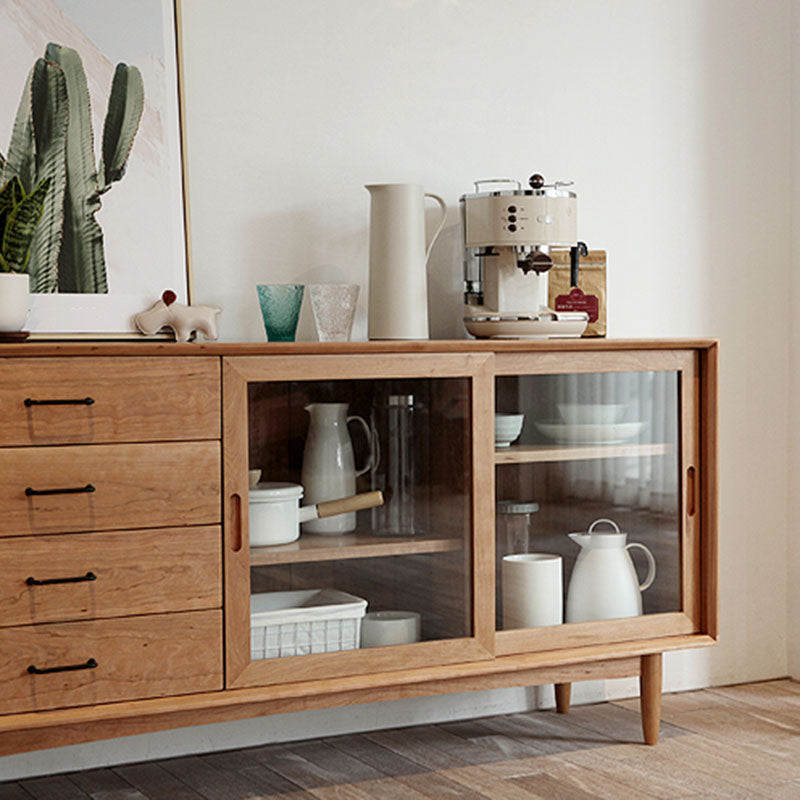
[(398, 260), (329, 471)]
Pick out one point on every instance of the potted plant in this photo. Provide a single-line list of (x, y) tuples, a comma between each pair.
[(19, 215)]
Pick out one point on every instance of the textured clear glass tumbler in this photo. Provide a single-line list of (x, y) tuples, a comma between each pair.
[(280, 309), (334, 306)]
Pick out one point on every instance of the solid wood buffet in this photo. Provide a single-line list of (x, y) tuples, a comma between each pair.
[(128, 578)]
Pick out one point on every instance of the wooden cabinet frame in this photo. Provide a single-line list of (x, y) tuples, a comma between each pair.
[(238, 372), (689, 619), (602, 650)]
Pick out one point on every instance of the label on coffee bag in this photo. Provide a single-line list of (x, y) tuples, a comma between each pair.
[(576, 300)]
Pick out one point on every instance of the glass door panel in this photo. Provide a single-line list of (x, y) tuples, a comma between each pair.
[(593, 446), (414, 447)]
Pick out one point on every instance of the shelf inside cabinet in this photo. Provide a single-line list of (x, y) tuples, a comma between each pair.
[(351, 545), (528, 454)]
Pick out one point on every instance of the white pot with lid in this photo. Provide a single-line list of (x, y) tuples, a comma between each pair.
[(276, 513)]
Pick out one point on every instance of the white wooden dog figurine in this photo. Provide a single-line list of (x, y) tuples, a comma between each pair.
[(182, 319)]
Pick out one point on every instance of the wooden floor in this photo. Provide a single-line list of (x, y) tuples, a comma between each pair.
[(732, 742)]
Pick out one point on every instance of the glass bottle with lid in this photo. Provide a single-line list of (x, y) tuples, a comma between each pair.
[(514, 525), (401, 467)]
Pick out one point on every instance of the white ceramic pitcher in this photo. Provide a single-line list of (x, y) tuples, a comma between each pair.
[(604, 584), (329, 470), (398, 260)]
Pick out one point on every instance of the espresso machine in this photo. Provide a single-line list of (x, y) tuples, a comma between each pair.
[(508, 235)]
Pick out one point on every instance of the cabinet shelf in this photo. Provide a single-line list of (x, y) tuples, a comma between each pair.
[(530, 453), (352, 545)]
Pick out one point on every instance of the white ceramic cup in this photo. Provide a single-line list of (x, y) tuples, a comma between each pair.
[(384, 628), (532, 590)]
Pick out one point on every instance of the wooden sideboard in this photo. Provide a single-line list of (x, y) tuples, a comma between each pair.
[(127, 574)]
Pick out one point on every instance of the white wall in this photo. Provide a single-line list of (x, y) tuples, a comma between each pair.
[(673, 118)]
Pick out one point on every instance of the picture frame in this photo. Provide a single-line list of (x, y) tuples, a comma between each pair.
[(142, 214)]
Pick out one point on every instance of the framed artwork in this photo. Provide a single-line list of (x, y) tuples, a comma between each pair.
[(90, 98)]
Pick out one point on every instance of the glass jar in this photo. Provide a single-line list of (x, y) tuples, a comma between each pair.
[(514, 525)]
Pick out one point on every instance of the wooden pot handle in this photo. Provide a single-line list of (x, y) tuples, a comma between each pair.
[(354, 503)]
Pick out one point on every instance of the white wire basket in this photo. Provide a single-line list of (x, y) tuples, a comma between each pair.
[(303, 622)]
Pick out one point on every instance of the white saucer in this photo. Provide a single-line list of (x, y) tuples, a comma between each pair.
[(616, 433), (498, 327)]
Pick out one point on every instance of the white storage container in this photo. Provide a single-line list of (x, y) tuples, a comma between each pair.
[(303, 622)]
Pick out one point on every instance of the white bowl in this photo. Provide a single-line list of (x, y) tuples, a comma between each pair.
[(591, 413), (507, 428)]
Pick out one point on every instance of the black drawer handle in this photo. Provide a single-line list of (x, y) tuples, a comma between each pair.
[(34, 670), (89, 576), (83, 401), (31, 492)]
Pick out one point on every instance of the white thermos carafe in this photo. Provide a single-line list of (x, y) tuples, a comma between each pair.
[(398, 260)]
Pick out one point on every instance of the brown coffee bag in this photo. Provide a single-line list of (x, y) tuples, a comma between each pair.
[(590, 293)]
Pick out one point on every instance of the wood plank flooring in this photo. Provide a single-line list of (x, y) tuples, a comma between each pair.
[(728, 742)]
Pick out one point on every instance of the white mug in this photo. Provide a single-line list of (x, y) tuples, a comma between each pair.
[(532, 590)]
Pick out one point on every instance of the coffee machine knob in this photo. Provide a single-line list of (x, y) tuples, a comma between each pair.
[(536, 181)]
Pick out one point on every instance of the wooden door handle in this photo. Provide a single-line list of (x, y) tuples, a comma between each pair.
[(691, 491), (236, 522)]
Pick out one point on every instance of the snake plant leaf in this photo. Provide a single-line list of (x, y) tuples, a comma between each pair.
[(125, 106), (50, 113), (6, 194), (10, 195), (82, 265), (8, 199), (20, 159), (20, 226)]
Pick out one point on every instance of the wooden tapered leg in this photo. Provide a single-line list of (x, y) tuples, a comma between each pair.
[(650, 697), (563, 691)]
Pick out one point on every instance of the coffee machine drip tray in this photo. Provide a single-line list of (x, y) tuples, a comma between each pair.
[(538, 325)]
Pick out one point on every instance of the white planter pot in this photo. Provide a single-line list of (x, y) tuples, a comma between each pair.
[(14, 292)]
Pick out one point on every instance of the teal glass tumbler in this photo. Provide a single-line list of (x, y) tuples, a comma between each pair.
[(280, 309)]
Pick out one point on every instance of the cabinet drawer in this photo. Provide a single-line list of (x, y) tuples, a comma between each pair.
[(133, 400), (115, 487), (135, 657), (96, 575)]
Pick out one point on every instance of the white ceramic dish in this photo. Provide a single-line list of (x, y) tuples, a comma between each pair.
[(591, 413), (383, 628), (562, 433)]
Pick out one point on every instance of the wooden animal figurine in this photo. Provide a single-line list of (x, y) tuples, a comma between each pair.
[(182, 319)]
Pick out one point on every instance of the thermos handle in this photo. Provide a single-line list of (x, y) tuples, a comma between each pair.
[(651, 565), (370, 442), (443, 206), (609, 521)]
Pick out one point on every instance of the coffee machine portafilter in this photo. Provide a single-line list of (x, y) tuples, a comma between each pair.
[(508, 235)]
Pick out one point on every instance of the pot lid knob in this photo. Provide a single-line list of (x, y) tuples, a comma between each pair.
[(536, 181)]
